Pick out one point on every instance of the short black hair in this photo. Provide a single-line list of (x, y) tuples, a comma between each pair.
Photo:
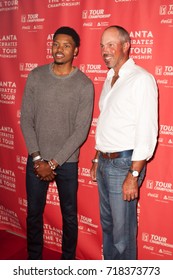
[(68, 31)]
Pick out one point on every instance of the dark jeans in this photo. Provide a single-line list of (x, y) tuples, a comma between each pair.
[(67, 184)]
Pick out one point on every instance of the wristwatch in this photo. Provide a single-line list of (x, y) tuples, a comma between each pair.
[(134, 173), (95, 160)]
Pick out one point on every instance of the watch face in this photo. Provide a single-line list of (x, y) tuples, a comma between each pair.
[(135, 173)]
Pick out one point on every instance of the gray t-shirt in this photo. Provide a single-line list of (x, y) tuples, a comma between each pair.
[(56, 113)]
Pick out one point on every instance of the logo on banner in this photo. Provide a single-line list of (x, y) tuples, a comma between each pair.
[(142, 42), (166, 135), (23, 204), (95, 14), (149, 184), (166, 129), (164, 11), (7, 92), (165, 252), (85, 172), (168, 198), (62, 3), (93, 69), (150, 248), (155, 195), (31, 22), (165, 75), (163, 186), (84, 177), (87, 225), (7, 137), (25, 68), (85, 14), (157, 244), (92, 14), (6, 6), (8, 46), (145, 237), (7, 179), (158, 187), (157, 240), (21, 160)]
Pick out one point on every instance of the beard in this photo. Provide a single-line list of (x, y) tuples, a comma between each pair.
[(58, 63)]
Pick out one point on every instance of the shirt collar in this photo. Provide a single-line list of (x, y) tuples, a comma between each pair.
[(124, 69)]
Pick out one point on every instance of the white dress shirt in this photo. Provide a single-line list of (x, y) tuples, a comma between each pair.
[(128, 113)]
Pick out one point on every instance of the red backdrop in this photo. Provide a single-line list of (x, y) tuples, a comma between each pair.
[(25, 42)]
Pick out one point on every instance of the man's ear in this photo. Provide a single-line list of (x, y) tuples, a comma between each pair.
[(76, 51), (126, 46)]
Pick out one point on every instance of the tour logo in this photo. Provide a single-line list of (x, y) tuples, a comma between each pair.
[(95, 18), (87, 225), (166, 10), (32, 22), (166, 14), (164, 75), (25, 68), (149, 184), (95, 70), (7, 6), (166, 134)]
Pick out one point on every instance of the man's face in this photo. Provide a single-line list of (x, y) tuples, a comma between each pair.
[(112, 48), (63, 49)]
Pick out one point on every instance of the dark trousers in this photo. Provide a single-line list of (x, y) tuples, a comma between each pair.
[(67, 184)]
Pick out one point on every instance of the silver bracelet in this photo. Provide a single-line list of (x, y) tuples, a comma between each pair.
[(52, 165), (36, 158)]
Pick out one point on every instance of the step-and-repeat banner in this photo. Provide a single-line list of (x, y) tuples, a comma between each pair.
[(25, 42)]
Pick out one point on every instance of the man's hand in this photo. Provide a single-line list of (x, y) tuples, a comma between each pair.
[(93, 171), (130, 188), (44, 171)]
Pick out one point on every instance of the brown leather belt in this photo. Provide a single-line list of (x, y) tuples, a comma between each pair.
[(122, 154)]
